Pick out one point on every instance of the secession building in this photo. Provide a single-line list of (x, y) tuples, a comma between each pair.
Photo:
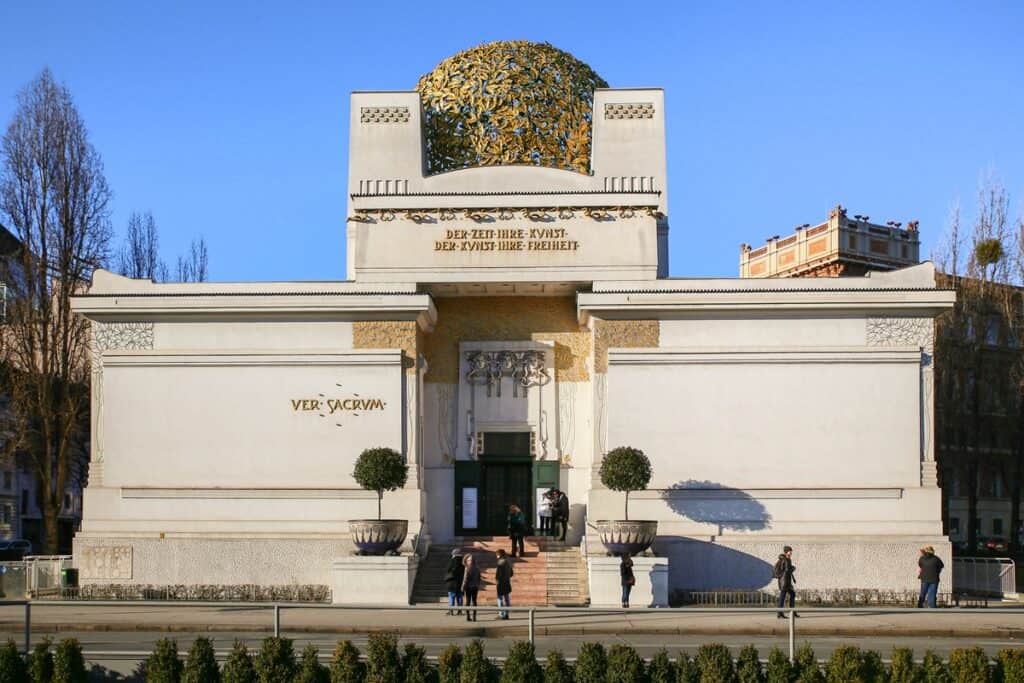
[(508, 319)]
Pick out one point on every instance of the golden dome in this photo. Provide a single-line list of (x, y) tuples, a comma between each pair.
[(509, 102)]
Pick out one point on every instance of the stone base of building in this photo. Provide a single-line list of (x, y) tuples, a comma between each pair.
[(651, 589), (206, 560), (373, 580), (887, 563)]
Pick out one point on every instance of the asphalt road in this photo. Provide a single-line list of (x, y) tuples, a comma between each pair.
[(105, 648)]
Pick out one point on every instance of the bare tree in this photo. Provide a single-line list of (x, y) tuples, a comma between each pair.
[(54, 198), (140, 255), (979, 357), (194, 267)]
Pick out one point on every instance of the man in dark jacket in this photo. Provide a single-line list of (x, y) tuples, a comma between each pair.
[(453, 581), (930, 568), (560, 512), (783, 572)]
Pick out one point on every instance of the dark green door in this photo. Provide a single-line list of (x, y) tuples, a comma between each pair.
[(504, 484)]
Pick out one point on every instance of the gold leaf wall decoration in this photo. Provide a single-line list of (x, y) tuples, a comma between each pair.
[(509, 102)]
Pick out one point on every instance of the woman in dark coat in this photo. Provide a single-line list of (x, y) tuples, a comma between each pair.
[(453, 580), (503, 577), (516, 528), (628, 580), (470, 585)]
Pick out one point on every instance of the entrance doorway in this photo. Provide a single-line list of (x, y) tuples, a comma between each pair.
[(505, 473)]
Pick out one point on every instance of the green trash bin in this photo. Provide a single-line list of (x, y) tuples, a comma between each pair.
[(69, 577)]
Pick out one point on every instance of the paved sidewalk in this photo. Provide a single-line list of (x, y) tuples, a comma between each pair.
[(259, 619)]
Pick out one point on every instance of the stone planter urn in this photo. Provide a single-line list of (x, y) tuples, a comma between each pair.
[(377, 536), (631, 537)]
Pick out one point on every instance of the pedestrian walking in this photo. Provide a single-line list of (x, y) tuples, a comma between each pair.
[(453, 581), (929, 568), (544, 512), (516, 528), (628, 580), (561, 512), (783, 572), (470, 585), (503, 578)]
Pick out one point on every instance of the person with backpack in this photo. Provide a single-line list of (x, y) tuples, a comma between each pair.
[(503, 578), (929, 569), (516, 528), (453, 581), (783, 573)]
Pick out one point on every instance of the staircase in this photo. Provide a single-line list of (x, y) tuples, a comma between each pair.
[(550, 573)]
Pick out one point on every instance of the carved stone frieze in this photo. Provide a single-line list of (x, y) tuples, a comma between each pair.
[(524, 368), (893, 331), (106, 562), (122, 336), (495, 214)]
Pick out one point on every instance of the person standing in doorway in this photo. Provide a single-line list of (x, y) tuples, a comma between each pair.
[(453, 581), (470, 585), (503, 578), (561, 513), (544, 513), (516, 528), (930, 567), (628, 580), (784, 572)]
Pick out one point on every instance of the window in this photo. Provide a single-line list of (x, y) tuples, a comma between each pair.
[(24, 501), (969, 328), (8, 479), (997, 526), (992, 330), (977, 526), (5, 514), (67, 501), (954, 525)]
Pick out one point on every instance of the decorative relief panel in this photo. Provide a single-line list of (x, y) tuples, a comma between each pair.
[(891, 331), (388, 334), (629, 110), (501, 318), (534, 214), (627, 334), (106, 562), (384, 114), (525, 369), (122, 336)]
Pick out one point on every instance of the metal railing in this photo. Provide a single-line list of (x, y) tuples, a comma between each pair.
[(992, 576), (531, 614), (34, 575)]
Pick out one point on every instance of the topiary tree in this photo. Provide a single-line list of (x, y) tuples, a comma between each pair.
[(380, 470), (276, 660), (521, 664), (311, 670), (557, 669), (748, 666), (476, 667), (902, 668), (805, 665), (591, 663), (201, 663), (661, 668), (624, 665), (934, 669), (779, 669), (415, 668), (383, 663), (687, 670), (12, 666), (969, 665), (164, 665), (844, 665), (1011, 665), (448, 664), (239, 667), (345, 665), (40, 662), (715, 663), (872, 668), (626, 469)]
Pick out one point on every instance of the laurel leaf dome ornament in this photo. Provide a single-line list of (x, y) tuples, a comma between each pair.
[(509, 102)]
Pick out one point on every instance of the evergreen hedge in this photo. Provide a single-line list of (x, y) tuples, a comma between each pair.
[(276, 663)]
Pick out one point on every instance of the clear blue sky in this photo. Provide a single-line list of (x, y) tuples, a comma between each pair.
[(229, 120)]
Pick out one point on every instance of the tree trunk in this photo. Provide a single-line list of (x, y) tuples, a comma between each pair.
[(972, 506), (380, 500), (51, 533), (627, 506)]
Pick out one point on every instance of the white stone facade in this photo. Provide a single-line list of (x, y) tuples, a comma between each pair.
[(504, 327)]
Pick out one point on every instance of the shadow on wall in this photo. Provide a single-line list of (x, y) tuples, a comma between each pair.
[(701, 565), (708, 502)]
